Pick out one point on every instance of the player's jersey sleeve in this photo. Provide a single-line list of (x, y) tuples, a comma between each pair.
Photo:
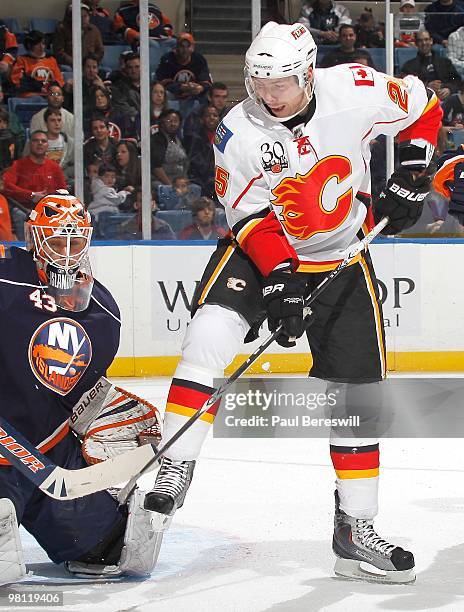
[(243, 190), (403, 107)]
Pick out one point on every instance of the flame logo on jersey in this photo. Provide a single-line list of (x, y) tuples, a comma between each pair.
[(59, 353), (303, 213)]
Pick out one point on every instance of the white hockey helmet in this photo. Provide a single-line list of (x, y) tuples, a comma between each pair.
[(280, 51)]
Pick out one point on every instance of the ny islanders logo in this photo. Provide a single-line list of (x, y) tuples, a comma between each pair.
[(59, 354)]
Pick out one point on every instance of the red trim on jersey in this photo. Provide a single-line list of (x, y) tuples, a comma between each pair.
[(267, 246), (255, 178), (380, 123), (355, 461), (426, 127)]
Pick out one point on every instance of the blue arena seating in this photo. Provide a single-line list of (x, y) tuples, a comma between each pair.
[(378, 57), (24, 109), (14, 26), (403, 55), (111, 56), (177, 219), (47, 26), (166, 197)]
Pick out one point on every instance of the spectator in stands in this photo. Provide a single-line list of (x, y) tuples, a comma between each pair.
[(347, 51), (8, 144), (368, 32), (92, 75), (55, 99), (120, 74), (408, 38), (8, 50), (203, 226), (126, 23), (132, 229), (184, 192), (158, 103), (323, 18), (443, 17), (105, 198), (199, 148), (453, 119), (185, 74), (127, 164), (14, 125), (100, 18), (456, 50), (218, 97), (453, 109), (35, 70), (32, 177), (99, 104), (60, 147), (126, 94), (6, 230), (168, 156), (91, 38), (436, 72), (101, 148)]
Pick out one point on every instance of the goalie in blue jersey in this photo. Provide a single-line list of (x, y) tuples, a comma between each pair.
[(60, 332)]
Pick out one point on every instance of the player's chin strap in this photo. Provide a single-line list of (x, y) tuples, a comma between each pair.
[(354, 251)]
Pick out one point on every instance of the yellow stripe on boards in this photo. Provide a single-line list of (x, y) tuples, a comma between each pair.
[(292, 363)]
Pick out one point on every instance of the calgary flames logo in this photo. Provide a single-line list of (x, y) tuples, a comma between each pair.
[(303, 213)]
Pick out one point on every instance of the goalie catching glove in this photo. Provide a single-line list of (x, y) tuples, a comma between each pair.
[(111, 421), (402, 201), (283, 295)]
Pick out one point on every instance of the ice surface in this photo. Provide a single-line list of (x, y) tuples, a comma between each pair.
[(255, 533)]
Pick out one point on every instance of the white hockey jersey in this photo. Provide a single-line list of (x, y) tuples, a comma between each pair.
[(316, 176)]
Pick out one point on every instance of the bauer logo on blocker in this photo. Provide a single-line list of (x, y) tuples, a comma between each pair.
[(59, 354)]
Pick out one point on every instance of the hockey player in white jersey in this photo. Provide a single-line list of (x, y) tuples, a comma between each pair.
[(292, 171)]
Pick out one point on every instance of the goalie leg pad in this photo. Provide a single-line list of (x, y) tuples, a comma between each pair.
[(143, 537), (142, 542), (12, 568)]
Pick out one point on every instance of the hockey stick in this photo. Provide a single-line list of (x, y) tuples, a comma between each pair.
[(354, 251), (63, 484)]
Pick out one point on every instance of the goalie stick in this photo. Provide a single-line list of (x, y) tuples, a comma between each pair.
[(63, 484), (353, 252)]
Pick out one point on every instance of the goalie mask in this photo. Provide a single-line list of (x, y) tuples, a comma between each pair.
[(279, 69), (58, 233)]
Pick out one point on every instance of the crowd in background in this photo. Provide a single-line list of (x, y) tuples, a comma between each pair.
[(186, 107)]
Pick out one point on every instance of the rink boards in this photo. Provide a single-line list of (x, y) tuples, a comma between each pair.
[(153, 283)]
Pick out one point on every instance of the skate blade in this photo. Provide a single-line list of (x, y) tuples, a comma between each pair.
[(360, 570)]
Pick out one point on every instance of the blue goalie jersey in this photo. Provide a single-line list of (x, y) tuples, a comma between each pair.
[(48, 356)]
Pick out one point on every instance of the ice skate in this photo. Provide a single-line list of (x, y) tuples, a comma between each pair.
[(362, 554), (172, 483)]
